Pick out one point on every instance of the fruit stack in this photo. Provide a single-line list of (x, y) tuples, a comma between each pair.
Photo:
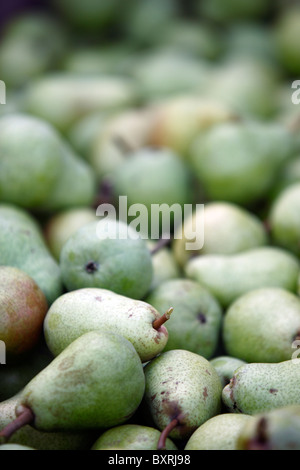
[(150, 226)]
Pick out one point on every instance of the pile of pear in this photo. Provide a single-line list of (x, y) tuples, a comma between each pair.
[(111, 338)]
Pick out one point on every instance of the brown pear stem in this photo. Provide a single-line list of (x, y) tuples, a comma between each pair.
[(25, 417), (162, 242), (161, 320), (161, 445)]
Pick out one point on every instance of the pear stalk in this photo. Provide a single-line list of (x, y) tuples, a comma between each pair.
[(161, 445), (161, 320), (25, 417)]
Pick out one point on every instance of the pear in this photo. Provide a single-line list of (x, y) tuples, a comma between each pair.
[(182, 391), (96, 382), (131, 437), (226, 367), (261, 325), (54, 97), (286, 31), (228, 229), (39, 440), (220, 432), (164, 263), (196, 323), (23, 307), (230, 276), (61, 225), (277, 429), (153, 177), (239, 162), (107, 254), (83, 310), (23, 246), (260, 387), (30, 163), (284, 219)]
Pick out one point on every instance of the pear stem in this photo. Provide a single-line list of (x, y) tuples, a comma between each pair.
[(162, 242), (161, 445), (25, 417), (161, 320)]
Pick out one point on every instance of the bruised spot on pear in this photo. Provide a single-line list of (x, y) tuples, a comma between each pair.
[(91, 267)]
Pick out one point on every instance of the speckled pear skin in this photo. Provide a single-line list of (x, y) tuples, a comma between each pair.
[(274, 430), (226, 367), (107, 254), (83, 310), (260, 387), (181, 384), (218, 433), (96, 382), (131, 437), (22, 246), (261, 325), (197, 319), (230, 276), (28, 436)]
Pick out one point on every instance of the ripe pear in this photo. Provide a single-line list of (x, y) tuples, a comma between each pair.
[(277, 429), (83, 310), (260, 387), (131, 437), (96, 382), (220, 432), (226, 367), (196, 323), (107, 254), (23, 246), (39, 440), (230, 276), (239, 162), (261, 325), (23, 307), (284, 219), (182, 391), (228, 229), (61, 225)]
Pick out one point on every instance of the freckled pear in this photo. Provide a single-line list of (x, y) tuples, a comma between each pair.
[(183, 390), (97, 382), (83, 310), (260, 387)]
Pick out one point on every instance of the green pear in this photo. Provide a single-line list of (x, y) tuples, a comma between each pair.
[(239, 162), (277, 429), (61, 225), (39, 440), (226, 367), (261, 325), (182, 391), (228, 229), (178, 120), (131, 437), (23, 307), (88, 309), (154, 177), (196, 323), (54, 97), (260, 387), (25, 50), (107, 254), (23, 246), (230, 276), (96, 382), (220, 432), (30, 163), (284, 219)]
